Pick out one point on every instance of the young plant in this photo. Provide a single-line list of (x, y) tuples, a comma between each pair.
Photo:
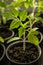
[(23, 26), (1, 39), (2, 10)]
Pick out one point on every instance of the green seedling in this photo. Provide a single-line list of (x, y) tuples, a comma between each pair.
[(2, 10), (19, 20), (1, 40)]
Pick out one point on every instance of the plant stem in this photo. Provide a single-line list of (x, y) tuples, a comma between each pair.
[(33, 12), (30, 25), (24, 46), (2, 10), (33, 7), (0, 21)]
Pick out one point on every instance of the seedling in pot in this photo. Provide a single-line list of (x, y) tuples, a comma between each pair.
[(2, 10), (24, 27), (4, 31), (23, 53), (16, 8)]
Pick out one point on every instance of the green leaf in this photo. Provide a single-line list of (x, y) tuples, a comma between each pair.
[(1, 40), (40, 3), (38, 19), (37, 14), (8, 15), (32, 36), (35, 32), (2, 4), (33, 39), (26, 4), (14, 24), (15, 12), (21, 1), (15, 4), (34, 29), (26, 24), (40, 8), (23, 15), (13, 39), (21, 31), (11, 13)]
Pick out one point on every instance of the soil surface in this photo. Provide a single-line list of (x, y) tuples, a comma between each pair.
[(17, 54), (5, 32), (7, 25), (1, 50), (39, 36), (39, 25)]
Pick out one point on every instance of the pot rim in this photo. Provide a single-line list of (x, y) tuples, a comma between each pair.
[(38, 47), (3, 51), (9, 30), (10, 36), (41, 37)]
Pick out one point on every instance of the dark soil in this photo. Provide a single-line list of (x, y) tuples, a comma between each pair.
[(1, 50), (17, 54), (5, 32), (39, 36), (39, 25), (7, 25), (8, 22)]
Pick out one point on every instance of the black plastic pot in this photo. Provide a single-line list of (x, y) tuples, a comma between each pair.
[(7, 25), (39, 25), (41, 37), (6, 33), (2, 52), (16, 44)]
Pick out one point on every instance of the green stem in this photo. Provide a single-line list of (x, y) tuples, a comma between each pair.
[(30, 25), (33, 12), (2, 10), (24, 44), (33, 7), (0, 22)]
